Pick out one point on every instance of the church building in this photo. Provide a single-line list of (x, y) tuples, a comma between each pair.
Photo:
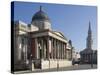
[(88, 55), (37, 46)]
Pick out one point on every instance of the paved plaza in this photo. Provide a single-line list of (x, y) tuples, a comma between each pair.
[(74, 67)]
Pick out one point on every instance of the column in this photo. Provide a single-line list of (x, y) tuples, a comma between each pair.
[(64, 50), (36, 49), (52, 48), (19, 48), (48, 55), (44, 45), (42, 48), (67, 53), (23, 48), (84, 56), (61, 50), (26, 48), (57, 50)]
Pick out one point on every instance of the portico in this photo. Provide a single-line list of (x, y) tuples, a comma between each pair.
[(49, 46)]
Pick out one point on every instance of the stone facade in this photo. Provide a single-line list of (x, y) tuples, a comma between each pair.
[(37, 46)]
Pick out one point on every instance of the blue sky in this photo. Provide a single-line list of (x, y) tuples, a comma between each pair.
[(71, 20)]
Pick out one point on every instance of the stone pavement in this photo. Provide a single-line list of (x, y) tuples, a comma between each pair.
[(75, 67)]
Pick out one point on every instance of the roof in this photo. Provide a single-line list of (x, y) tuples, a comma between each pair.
[(40, 15), (60, 34), (86, 51), (47, 32)]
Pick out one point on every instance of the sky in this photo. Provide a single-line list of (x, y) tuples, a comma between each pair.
[(71, 20)]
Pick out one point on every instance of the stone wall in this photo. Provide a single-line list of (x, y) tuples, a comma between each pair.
[(53, 63), (46, 64)]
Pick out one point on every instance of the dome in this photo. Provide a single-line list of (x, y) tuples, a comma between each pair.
[(40, 15)]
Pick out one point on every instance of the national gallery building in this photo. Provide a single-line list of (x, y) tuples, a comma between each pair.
[(37, 46)]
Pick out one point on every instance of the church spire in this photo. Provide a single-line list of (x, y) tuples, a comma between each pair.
[(89, 30), (89, 37)]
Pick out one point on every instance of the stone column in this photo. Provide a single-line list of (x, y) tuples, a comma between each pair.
[(67, 54), (19, 46), (42, 48), (61, 50), (55, 49), (64, 50), (58, 50), (85, 56), (25, 48), (48, 55), (36, 49), (44, 45), (52, 48)]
